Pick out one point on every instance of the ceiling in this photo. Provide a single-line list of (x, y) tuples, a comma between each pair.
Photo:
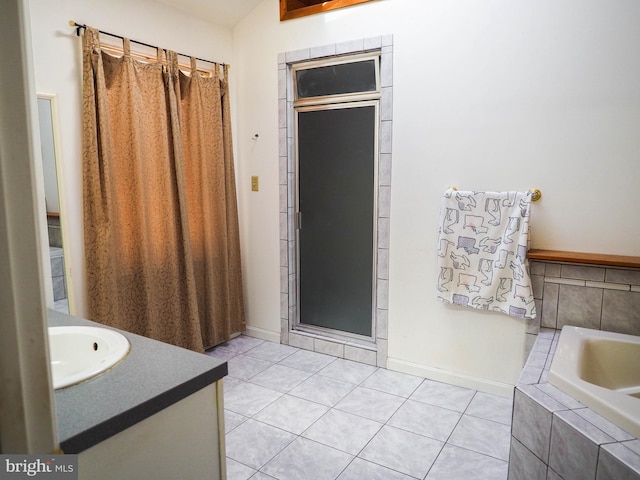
[(226, 13)]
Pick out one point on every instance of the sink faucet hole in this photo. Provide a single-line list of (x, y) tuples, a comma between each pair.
[(95, 347)]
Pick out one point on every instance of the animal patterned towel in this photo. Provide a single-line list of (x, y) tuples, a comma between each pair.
[(482, 254)]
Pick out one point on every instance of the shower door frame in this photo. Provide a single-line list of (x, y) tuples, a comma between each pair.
[(339, 102)]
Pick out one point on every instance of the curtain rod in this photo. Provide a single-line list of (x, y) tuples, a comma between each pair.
[(78, 26)]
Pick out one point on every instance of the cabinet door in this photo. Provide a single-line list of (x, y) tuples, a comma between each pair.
[(174, 443)]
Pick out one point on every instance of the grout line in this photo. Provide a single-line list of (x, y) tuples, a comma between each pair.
[(565, 281), (446, 442)]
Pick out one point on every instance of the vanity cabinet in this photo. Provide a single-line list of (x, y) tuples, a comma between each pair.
[(182, 441), (158, 414)]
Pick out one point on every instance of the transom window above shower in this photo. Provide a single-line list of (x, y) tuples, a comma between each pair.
[(356, 77)]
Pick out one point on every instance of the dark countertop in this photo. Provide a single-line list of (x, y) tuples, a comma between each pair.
[(153, 376)]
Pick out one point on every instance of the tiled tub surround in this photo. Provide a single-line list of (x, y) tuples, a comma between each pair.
[(605, 375), (56, 255), (372, 353), (55, 230), (553, 436), (597, 297)]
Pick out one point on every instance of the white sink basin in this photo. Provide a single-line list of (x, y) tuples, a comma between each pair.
[(80, 353)]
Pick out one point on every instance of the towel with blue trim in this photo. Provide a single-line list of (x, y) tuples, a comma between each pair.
[(482, 252)]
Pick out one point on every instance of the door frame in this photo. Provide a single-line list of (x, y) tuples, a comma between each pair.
[(340, 103)]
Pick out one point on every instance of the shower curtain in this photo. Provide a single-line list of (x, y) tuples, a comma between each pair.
[(160, 213)]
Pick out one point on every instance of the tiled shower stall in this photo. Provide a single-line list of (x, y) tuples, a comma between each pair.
[(373, 353)]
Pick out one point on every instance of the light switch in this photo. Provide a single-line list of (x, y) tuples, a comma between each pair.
[(254, 184)]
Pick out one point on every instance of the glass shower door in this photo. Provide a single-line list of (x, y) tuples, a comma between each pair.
[(336, 212)]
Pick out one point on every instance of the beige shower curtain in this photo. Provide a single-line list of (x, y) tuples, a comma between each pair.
[(161, 227), (211, 199)]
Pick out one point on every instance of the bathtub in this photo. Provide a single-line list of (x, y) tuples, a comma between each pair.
[(601, 370)]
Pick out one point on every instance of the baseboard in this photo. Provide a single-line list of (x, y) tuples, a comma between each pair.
[(432, 373), (453, 378), (262, 334)]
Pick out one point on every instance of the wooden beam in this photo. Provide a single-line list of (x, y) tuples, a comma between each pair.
[(289, 11)]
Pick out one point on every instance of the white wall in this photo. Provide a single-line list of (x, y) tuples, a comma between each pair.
[(58, 68), (490, 94)]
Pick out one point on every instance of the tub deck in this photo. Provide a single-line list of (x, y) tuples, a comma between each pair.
[(601, 370), (553, 435)]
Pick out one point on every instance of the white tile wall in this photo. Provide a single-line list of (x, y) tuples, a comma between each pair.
[(599, 297)]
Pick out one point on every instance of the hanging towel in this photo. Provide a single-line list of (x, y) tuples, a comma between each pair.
[(482, 252)]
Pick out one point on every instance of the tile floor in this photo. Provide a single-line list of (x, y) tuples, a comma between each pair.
[(295, 414)]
